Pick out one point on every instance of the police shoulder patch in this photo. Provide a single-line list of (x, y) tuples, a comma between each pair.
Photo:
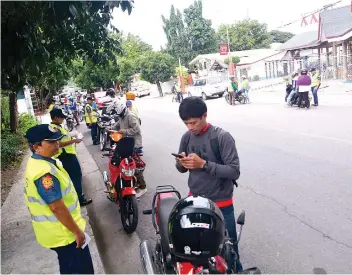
[(47, 182)]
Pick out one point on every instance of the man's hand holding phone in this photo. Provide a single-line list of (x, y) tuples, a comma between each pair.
[(179, 157)]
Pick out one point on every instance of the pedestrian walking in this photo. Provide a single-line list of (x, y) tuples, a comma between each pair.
[(67, 154), (53, 203)]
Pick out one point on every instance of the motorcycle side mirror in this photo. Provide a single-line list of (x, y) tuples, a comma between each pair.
[(241, 218)]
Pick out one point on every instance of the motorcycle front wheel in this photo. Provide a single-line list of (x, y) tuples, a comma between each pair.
[(69, 125), (102, 141), (129, 213), (80, 116), (227, 98)]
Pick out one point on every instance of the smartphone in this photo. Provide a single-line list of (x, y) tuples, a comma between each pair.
[(177, 155)]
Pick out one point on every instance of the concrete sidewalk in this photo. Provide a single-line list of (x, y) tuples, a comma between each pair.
[(20, 251)]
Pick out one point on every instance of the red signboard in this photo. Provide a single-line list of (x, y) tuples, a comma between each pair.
[(224, 49)]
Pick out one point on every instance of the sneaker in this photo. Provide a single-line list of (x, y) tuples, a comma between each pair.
[(85, 202), (141, 192)]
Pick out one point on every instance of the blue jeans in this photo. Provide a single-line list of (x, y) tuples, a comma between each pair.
[(293, 92), (230, 224), (94, 132), (73, 168), (179, 97), (315, 94), (74, 260)]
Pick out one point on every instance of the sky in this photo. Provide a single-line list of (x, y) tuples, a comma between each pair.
[(145, 19)]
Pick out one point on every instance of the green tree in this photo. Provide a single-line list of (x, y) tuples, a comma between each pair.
[(157, 67), (245, 35), (234, 59), (127, 68), (201, 35), (189, 34), (279, 36), (34, 33)]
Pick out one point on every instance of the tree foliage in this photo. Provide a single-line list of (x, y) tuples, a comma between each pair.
[(35, 33), (189, 34), (245, 35), (279, 36), (234, 59), (157, 67)]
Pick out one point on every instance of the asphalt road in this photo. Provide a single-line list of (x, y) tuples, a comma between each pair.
[(295, 184)]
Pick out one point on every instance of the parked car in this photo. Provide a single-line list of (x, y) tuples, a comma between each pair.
[(142, 92), (102, 100), (206, 87)]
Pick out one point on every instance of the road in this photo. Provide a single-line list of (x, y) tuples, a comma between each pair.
[(295, 183)]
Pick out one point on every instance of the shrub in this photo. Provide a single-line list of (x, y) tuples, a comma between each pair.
[(13, 145)]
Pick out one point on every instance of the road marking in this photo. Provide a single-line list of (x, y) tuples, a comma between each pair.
[(303, 134)]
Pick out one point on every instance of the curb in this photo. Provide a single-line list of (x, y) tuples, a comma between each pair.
[(20, 251), (119, 258)]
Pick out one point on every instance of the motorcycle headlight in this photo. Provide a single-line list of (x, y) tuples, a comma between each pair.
[(128, 172)]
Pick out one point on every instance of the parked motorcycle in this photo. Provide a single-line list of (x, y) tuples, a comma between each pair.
[(240, 96), (80, 112), (158, 260), (104, 122), (120, 184)]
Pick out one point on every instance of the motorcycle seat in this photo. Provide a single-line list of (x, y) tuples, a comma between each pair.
[(164, 210)]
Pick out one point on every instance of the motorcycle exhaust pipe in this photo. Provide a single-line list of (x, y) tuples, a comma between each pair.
[(146, 258), (105, 177)]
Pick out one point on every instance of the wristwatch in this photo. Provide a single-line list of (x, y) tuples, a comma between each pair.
[(205, 166)]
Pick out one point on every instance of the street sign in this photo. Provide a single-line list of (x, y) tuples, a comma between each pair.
[(224, 49)]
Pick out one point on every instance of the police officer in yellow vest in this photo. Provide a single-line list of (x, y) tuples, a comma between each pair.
[(91, 119), (315, 85), (67, 154), (53, 203)]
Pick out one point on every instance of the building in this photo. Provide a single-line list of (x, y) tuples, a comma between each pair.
[(252, 62), (328, 49)]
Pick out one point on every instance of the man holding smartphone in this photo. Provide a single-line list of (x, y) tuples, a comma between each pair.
[(210, 155)]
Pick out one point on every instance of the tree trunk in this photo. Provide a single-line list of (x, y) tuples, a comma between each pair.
[(159, 88), (13, 112)]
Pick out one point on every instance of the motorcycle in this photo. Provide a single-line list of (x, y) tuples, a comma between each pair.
[(240, 97), (105, 121), (80, 112), (158, 260), (295, 99), (120, 184)]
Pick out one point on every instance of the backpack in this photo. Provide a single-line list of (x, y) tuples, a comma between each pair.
[(215, 147)]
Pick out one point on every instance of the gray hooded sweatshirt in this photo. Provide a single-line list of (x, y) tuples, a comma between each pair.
[(129, 126), (216, 182)]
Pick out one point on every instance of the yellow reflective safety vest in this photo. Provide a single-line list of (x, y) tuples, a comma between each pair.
[(49, 231), (93, 114), (315, 80), (51, 107), (69, 149)]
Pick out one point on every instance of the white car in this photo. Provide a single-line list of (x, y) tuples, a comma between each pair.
[(206, 87), (142, 92)]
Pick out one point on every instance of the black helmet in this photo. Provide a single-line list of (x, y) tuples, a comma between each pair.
[(196, 230)]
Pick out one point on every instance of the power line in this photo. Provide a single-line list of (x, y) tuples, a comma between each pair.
[(325, 7)]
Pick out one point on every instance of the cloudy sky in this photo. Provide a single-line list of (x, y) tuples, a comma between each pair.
[(145, 19)]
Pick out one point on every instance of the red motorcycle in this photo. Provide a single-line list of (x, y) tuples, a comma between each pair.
[(158, 260), (123, 166)]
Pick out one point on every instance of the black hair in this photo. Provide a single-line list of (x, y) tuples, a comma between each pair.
[(192, 107)]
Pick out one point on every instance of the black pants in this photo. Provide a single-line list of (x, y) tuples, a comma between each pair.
[(74, 260), (73, 168), (303, 96)]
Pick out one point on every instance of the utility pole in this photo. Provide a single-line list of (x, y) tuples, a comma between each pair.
[(229, 49)]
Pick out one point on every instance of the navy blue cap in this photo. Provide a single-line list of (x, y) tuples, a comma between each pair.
[(42, 132), (57, 113), (128, 103)]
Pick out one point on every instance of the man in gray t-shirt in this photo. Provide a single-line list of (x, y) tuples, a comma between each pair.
[(210, 156)]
